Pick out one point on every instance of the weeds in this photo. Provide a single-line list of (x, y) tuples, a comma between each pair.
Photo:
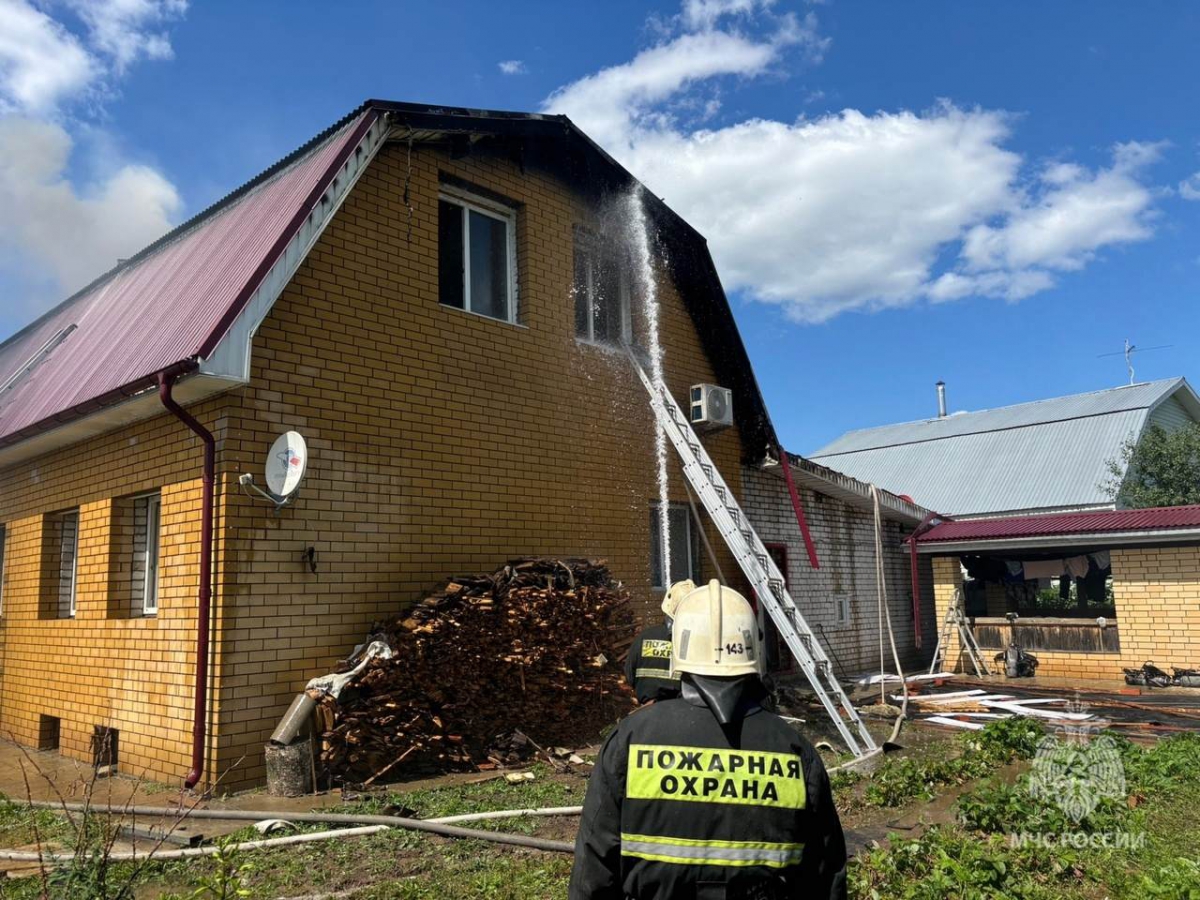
[(898, 781), (977, 859), (1177, 880)]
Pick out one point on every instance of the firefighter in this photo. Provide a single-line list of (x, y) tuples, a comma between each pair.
[(648, 666), (708, 796)]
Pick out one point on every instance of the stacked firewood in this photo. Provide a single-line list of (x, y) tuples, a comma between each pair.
[(535, 646)]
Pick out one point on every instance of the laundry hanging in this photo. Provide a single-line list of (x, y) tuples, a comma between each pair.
[(1077, 566), (1044, 568)]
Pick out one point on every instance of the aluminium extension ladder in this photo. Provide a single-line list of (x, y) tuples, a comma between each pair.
[(956, 619), (756, 563)]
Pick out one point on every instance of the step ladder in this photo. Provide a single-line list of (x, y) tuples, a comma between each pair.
[(756, 563), (956, 620)]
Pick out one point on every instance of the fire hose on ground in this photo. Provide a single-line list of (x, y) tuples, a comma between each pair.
[(366, 824)]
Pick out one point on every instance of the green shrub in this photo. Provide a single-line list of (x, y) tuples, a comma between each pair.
[(946, 863), (1004, 740), (1179, 880)]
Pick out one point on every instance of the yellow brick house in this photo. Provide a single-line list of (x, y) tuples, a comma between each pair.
[(428, 296)]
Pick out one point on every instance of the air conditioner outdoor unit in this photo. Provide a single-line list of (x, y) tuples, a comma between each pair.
[(712, 406)]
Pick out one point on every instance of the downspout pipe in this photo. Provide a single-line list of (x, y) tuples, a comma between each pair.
[(166, 382), (927, 523)]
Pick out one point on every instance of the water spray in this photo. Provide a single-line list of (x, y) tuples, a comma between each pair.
[(648, 285)]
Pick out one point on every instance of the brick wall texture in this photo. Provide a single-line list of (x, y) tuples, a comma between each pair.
[(439, 442), (1157, 596), (844, 536)]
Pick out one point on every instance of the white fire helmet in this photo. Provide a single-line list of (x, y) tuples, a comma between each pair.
[(715, 633), (675, 593)]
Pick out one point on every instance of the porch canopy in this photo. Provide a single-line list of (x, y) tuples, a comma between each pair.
[(1074, 583)]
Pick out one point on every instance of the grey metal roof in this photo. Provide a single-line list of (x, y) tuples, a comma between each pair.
[(1046, 455)]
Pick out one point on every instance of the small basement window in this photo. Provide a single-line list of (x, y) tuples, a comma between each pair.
[(60, 551), (105, 747), (477, 255), (683, 537), (49, 732), (601, 291)]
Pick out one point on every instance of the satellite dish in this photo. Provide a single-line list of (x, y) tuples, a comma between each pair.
[(286, 462)]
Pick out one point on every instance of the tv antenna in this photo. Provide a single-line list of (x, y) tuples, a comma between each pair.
[(285, 464), (1128, 352)]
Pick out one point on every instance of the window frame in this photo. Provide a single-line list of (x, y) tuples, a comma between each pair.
[(150, 576), (840, 602), (3, 562), (472, 202), (73, 605), (591, 246), (693, 559)]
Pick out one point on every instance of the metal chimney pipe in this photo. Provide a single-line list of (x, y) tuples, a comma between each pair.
[(941, 389)]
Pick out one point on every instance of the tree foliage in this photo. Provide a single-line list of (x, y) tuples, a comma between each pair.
[(1162, 469)]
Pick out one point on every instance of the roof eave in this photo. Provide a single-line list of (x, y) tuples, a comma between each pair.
[(850, 490), (1144, 537)]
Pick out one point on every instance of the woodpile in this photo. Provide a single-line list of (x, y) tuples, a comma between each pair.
[(534, 647)]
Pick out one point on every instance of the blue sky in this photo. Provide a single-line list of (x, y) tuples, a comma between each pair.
[(988, 193)]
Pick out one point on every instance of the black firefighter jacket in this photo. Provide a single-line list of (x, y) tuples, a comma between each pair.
[(680, 807), (648, 666)]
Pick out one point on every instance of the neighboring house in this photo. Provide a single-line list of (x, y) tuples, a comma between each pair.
[(421, 292), (840, 599), (1032, 458), (1092, 592)]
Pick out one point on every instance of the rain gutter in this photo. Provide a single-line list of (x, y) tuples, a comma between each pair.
[(166, 382)]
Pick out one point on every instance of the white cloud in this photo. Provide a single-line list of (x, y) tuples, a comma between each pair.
[(44, 64), (512, 66), (125, 30), (40, 61), (56, 235), (702, 14), (73, 233), (1189, 188), (850, 210), (1076, 213)]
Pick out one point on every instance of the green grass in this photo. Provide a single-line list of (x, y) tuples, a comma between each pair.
[(975, 859), (900, 781), (487, 796), (396, 863)]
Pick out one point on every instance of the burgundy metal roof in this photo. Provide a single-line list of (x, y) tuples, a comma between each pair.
[(169, 304), (172, 303), (1103, 522)]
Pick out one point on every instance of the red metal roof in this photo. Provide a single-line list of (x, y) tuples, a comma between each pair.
[(1104, 522), (170, 303)]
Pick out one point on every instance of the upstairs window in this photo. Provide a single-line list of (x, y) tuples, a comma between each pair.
[(601, 291), (477, 255), (61, 552), (684, 556), (147, 515)]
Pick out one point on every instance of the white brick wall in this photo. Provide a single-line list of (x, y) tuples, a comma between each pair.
[(845, 540)]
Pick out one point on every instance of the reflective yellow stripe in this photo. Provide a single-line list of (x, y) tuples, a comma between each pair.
[(664, 674), (688, 851), (656, 649), (707, 775)]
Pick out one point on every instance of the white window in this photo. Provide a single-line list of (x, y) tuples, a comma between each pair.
[(477, 269), (3, 547), (601, 291), (684, 557), (147, 517), (841, 603), (63, 544)]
